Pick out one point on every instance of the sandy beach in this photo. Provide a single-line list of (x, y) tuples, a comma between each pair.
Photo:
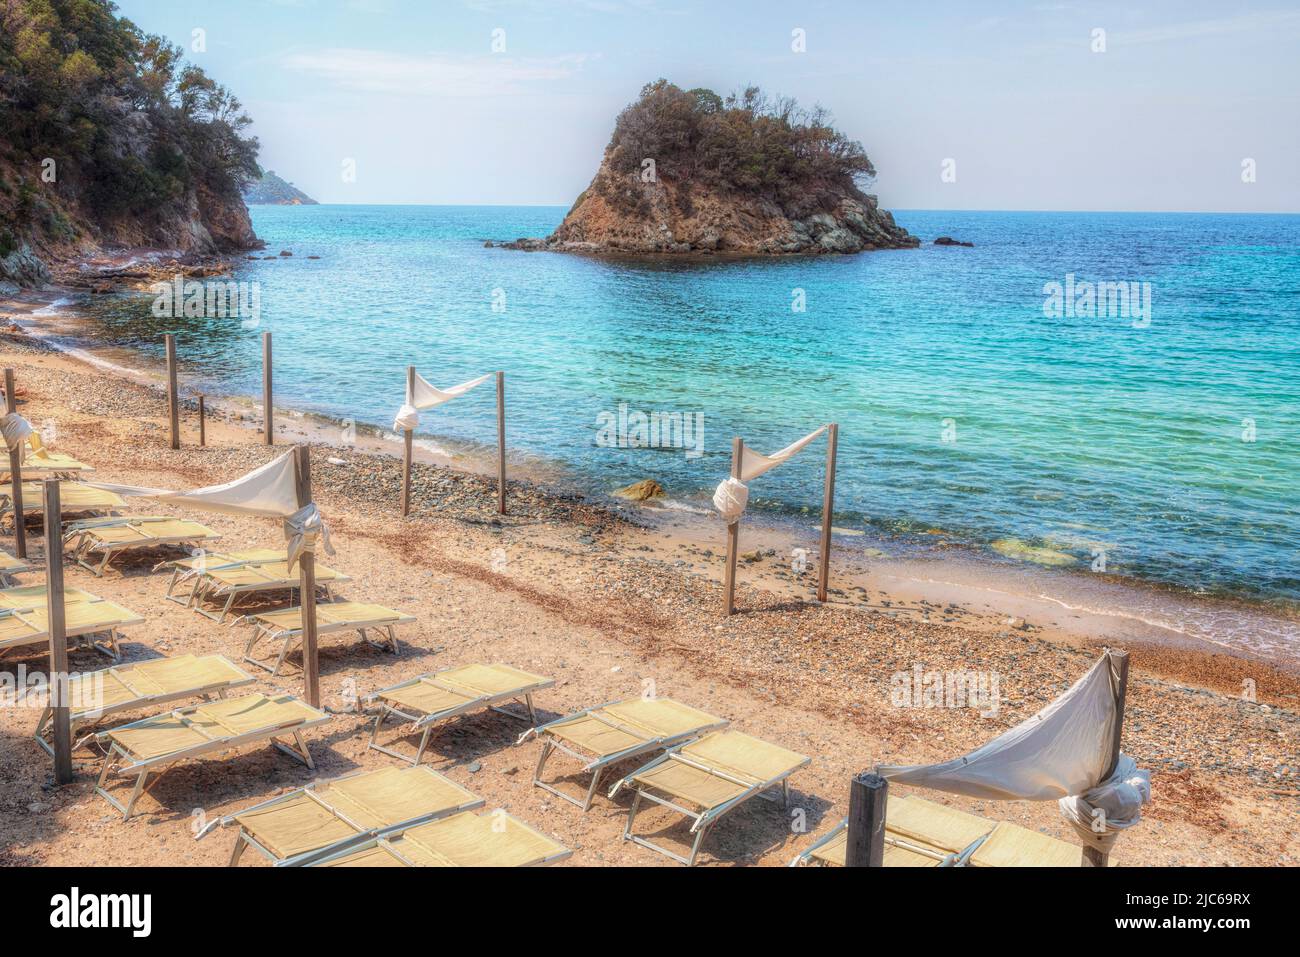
[(605, 598)]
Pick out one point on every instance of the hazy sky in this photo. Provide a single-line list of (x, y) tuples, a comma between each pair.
[(1012, 92)]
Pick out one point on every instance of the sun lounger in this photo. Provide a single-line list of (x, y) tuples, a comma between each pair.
[(494, 839), (107, 537), (286, 627), (96, 695), (920, 833), (45, 463), (153, 745), (25, 622), (431, 699), (9, 567), (344, 812), (707, 778), (617, 731), (236, 575), (74, 499)]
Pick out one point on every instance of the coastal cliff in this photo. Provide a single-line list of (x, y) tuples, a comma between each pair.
[(691, 172), (112, 142)]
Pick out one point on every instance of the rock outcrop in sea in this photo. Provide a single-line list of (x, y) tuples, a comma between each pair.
[(690, 172)]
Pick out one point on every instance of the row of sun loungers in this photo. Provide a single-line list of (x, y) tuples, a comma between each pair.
[(411, 816), (98, 695)]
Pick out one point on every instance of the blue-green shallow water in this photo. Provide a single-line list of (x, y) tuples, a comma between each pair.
[(1074, 433)]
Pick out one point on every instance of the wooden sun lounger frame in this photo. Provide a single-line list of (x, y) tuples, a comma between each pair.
[(701, 820), (264, 631), (959, 859), (596, 767), (204, 692), (427, 722), (108, 645), (163, 763), (204, 587), (86, 544), (244, 840), (328, 855)]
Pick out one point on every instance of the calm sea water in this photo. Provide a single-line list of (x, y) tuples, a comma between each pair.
[(1170, 447)]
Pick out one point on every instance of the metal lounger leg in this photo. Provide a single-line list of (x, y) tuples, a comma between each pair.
[(374, 743), (424, 743), (299, 752)]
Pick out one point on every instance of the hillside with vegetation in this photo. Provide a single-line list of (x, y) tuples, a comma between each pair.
[(690, 171), (111, 140), (271, 190)]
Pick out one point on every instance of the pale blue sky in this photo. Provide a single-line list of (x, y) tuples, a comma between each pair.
[(1012, 91)]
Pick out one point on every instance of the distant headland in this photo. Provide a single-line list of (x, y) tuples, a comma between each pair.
[(688, 171), (271, 190)]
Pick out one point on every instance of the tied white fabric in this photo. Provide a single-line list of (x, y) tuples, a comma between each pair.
[(302, 529), (425, 396), (732, 494), (1100, 813), (15, 430), (1062, 750), (753, 464), (270, 491), (730, 499)]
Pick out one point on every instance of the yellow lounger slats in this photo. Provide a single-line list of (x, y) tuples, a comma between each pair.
[(295, 826), (935, 825), (230, 718), (618, 727), (1011, 845), (334, 616), (494, 839), (719, 768), (73, 497), (145, 531), (149, 679), (378, 856), (455, 687), (9, 564), (339, 810)]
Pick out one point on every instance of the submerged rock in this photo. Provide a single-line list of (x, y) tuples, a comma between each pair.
[(642, 491)]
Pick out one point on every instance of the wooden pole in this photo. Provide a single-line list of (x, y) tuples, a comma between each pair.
[(733, 537), (1095, 856), (828, 511), (173, 407), (54, 607), (307, 588), (501, 443), (868, 798), (268, 416), (203, 422), (16, 474), (407, 439)]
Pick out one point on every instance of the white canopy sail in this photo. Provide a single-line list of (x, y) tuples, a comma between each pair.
[(732, 494), (269, 491), (425, 396), (1061, 753)]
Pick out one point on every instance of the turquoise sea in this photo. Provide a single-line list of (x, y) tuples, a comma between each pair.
[(1167, 447)]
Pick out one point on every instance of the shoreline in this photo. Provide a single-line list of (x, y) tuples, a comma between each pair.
[(1115, 608), (605, 598)]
